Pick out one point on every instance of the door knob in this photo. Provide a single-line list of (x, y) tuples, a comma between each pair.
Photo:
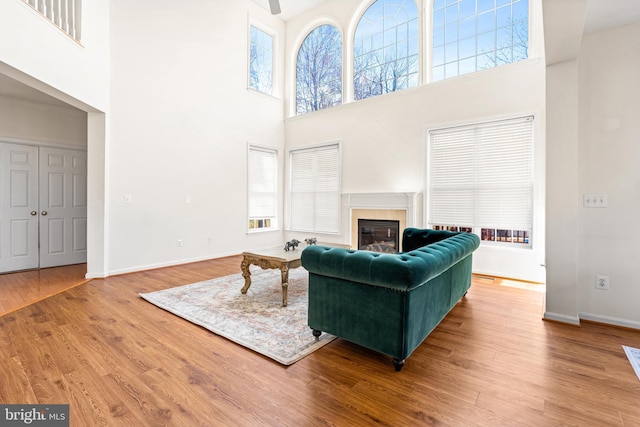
[(44, 213), (34, 213)]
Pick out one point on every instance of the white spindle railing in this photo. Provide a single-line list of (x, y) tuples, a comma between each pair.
[(64, 14)]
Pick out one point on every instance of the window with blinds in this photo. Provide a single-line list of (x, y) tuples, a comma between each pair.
[(480, 177), (315, 189), (263, 189)]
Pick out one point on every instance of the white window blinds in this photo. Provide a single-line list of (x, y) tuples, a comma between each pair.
[(263, 184), (481, 175), (315, 189)]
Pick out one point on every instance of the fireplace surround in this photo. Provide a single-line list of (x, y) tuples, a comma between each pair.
[(401, 207)]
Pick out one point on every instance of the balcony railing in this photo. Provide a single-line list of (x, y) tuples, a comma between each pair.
[(64, 14)]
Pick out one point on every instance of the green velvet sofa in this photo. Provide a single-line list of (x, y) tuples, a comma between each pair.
[(388, 302)]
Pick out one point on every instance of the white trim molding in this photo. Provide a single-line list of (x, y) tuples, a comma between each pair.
[(562, 318), (632, 324)]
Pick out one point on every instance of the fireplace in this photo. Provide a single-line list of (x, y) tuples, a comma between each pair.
[(399, 207), (379, 235)]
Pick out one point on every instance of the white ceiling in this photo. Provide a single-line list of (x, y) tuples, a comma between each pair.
[(601, 14), (291, 8)]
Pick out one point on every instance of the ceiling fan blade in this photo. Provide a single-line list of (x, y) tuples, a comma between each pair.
[(275, 6)]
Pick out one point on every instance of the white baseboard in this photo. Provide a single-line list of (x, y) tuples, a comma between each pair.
[(614, 321), (96, 276), (610, 320), (562, 318), (160, 265)]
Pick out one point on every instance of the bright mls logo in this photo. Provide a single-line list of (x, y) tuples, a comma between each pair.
[(37, 415)]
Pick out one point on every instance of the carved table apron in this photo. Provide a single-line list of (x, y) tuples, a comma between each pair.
[(276, 258)]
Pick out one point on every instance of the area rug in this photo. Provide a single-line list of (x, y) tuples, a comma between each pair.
[(633, 354), (255, 320)]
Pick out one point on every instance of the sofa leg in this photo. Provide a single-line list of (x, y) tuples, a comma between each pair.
[(317, 333), (398, 364)]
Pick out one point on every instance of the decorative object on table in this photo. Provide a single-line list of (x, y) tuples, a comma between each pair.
[(311, 241), (256, 320), (291, 245)]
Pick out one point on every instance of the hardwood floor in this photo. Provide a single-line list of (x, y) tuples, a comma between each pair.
[(120, 361), (20, 289)]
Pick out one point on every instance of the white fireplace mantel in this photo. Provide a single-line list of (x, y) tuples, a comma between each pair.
[(378, 201)]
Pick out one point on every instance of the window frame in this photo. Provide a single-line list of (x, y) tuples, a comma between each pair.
[(275, 199), (291, 221), (274, 55)]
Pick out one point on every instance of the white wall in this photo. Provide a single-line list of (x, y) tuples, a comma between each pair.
[(562, 191), (181, 121), (29, 121), (608, 157), (389, 131), (35, 52)]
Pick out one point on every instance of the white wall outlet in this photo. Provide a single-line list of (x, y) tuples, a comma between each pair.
[(602, 282), (179, 243), (128, 199), (594, 200)]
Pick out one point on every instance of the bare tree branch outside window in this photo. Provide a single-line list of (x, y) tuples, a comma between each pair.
[(474, 35), (319, 70), (386, 49), (260, 60)]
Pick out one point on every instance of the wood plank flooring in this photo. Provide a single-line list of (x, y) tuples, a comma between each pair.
[(20, 289), (120, 361)]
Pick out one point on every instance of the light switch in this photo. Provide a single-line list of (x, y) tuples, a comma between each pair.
[(594, 201)]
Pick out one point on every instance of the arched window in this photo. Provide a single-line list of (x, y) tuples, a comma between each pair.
[(473, 35), (385, 48), (319, 70)]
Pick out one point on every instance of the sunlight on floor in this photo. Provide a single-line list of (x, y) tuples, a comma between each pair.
[(510, 283)]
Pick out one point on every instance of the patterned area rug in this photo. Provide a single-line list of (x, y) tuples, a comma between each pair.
[(255, 320)]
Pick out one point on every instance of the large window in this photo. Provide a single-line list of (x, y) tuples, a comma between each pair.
[(319, 70), (263, 188), (473, 35), (260, 60), (386, 48), (480, 178), (315, 189)]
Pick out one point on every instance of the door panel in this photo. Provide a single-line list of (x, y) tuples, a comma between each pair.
[(63, 206), (18, 199)]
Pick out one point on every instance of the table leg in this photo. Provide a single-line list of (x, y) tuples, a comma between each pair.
[(244, 266), (284, 273)]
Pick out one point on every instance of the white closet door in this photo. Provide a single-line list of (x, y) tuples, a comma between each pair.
[(18, 207), (63, 207)]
